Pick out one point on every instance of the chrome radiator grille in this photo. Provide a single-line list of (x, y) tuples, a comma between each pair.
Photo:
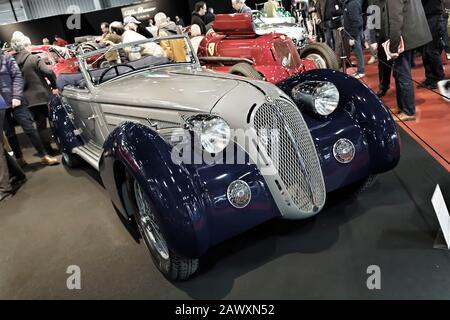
[(292, 151)]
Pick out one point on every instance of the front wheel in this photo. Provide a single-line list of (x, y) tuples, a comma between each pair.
[(173, 266), (321, 54), (71, 160)]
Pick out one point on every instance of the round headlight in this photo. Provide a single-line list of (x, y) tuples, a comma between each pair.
[(320, 96), (214, 132), (215, 135), (326, 98), (344, 151)]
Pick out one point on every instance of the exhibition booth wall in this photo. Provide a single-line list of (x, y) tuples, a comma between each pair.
[(90, 22)]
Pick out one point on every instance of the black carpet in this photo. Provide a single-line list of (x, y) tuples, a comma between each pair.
[(63, 218)]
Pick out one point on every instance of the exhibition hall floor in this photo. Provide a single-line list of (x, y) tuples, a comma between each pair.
[(62, 218)]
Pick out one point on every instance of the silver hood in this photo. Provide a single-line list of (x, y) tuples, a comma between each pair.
[(174, 88)]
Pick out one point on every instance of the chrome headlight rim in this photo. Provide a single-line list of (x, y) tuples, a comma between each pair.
[(321, 97), (338, 155), (201, 123)]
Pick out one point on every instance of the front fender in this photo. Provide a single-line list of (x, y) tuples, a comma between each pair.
[(191, 199), (360, 117), (171, 188)]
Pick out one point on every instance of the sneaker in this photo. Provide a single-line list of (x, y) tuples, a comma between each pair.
[(372, 60), (427, 85), (359, 75), (49, 161), (403, 117), (396, 111)]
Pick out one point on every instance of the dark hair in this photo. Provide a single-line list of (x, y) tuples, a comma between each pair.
[(105, 24), (199, 5), (118, 30)]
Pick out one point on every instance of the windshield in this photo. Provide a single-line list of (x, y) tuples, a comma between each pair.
[(115, 61)]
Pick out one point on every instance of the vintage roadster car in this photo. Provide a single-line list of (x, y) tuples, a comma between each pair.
[(282, 25), (62, 60), (196, 157), (236, 48)]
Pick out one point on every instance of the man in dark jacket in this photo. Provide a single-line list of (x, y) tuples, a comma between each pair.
[(36, 90), (198, 17), (210, 16), (431, 54), (384, 66), (354, 25), (332, 12), (404, 18), (11, 89)]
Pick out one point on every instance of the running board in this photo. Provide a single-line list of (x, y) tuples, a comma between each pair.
[(90, 153)]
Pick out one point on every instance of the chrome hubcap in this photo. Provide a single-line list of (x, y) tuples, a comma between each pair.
[(147, 224), (318, 60)]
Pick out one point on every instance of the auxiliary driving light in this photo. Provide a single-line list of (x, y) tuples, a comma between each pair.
[(239, 194), (344, 151)]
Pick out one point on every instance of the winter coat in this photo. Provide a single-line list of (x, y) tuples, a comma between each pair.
[(198, 20), (404, 18), (353, 17), (35, 74), (433, 7), (11, 80)]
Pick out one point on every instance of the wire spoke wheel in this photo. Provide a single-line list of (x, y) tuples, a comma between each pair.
[(172, 265), (148, 225), (318, 60)]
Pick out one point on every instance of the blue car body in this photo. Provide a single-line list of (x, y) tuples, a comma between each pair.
[(191, 199)]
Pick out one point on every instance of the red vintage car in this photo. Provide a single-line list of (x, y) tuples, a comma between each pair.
[(62, 60), (235, 47)]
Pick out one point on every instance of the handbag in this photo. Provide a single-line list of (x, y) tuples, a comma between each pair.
[(386, 46)]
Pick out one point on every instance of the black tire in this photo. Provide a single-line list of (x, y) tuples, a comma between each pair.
[(328, 59), (71, 160), (246, 70), (173, 266)]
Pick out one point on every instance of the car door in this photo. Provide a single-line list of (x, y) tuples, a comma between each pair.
[(86, 115)]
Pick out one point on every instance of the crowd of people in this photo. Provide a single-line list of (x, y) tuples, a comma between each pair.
[(411, 26), (404, 29)]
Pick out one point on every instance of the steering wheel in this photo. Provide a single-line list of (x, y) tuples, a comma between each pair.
[(116, 68)]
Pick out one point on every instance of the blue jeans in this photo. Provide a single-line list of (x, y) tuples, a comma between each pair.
[(329, 38), (405, 87), (25, 120), (358, 50)]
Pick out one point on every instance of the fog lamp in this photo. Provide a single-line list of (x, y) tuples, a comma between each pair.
[(239, 194), (344, 151)]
